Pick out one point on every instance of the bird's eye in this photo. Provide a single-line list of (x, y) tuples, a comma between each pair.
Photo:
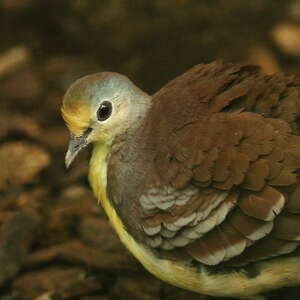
[(104, 111)]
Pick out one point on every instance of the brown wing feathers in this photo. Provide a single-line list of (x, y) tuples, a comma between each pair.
[(229, 190)]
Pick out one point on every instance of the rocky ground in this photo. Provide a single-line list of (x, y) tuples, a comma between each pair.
[(55, 242)]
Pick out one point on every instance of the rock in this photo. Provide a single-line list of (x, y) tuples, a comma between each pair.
[(17, 235), (25, 87), (137, 288), (75, 251), (57, 138), (18, 124), (75, 201), (21, 162), (263, 57), (287, 38), (97, 231), (56, 283), (14, 59)]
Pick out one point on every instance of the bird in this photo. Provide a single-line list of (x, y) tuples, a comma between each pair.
[(201, 179)]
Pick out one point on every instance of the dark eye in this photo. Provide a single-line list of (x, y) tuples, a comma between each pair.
[(104, 111)]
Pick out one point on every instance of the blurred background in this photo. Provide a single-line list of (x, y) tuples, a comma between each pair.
[(55, 242)]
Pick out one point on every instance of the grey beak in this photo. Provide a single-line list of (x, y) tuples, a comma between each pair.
[(75, 145)]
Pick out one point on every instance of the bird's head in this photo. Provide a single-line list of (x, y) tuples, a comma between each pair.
[(99, 107)]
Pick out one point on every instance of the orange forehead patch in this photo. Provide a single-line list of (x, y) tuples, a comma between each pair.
[(76, 115)]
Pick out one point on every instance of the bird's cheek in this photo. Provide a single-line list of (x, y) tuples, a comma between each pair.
[(99, 135)]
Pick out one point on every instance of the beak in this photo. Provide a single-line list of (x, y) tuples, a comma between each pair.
[(75, 145)]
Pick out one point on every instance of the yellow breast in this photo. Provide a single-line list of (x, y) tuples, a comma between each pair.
[(98, 180), (273, 274)]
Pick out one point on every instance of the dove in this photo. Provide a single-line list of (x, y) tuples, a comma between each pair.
[(200, 180)]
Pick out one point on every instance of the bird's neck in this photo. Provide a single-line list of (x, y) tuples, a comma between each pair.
[(98, 181), (98, 170)]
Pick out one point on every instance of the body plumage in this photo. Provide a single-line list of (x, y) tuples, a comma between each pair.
[(200, 181)]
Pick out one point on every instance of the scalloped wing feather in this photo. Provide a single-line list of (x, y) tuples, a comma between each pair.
[(231, 175)]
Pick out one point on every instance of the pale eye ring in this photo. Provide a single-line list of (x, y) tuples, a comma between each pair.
[(104, 111)]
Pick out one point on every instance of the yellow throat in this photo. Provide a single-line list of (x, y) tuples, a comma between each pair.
[(98, 181)]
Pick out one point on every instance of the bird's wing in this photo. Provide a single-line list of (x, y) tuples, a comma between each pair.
[(226, 189)]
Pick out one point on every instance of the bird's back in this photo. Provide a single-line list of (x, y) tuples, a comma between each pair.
[(225, 87)]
